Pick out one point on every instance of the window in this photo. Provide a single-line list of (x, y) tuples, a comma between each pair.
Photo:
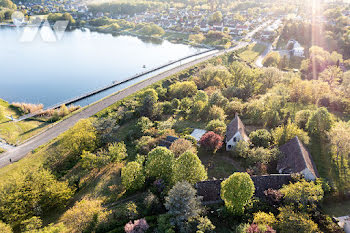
[(229, 147), (235, 139)]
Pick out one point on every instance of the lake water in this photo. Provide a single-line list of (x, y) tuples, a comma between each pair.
[(51, 72)]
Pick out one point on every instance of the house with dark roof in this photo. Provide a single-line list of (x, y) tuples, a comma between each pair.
[(210, 189), (296, 159), (235, 132)]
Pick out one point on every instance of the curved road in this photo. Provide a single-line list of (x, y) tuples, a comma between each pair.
[(55, 130)]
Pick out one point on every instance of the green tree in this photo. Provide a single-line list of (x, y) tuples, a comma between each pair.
[(188, 167), (84, 216), (160, 164), (148, 101), (285, 133), (90, 160), (216, 113), (236, 191), (31, 192), (117, 151), (272, 59), (132, 176), (302, 193), (182, 204), (339, 137), (183, 89), (302, 117), (201, 96), (291, 222), (261, 138), (217, 126), (332, 75), (320, 122), (81, 137)]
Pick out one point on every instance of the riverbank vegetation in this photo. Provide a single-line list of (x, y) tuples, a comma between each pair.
[(110, 173)]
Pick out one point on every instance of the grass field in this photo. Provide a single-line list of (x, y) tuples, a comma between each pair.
[(17, 132), (252, 52), (337, 209)]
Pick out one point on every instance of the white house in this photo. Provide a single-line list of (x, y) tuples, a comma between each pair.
[(344, 222), (297, 49), (235, 132), (296, 159)]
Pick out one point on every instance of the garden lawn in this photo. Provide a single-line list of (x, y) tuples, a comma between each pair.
[(252, 52), (218, 165)]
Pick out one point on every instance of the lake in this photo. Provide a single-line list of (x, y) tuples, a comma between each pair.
[(82, 61)]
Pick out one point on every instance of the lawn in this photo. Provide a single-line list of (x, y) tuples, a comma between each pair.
[(337, 209), (219, 165), (252, 52), (17, 132)]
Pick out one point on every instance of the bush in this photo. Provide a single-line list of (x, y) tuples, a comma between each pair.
[(28, 108), (216, 113), (302, 193), (84, 216), (117, 151), (32, 224), (217, 126), (291, 222), (233, 107), (160, 163), (262, 218), (188, 167), (211, 141), (5, 228), (236, 191), (181, 145), (139, 226), (261, 138), (132, 176), (90, 161), (145, 144)]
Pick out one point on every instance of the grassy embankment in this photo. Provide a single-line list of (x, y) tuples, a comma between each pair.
[(252, 52), (17, 132)]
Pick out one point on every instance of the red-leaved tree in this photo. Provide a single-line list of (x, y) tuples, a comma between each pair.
[(211, 141)]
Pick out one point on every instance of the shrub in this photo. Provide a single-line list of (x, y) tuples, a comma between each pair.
[(32, 224), (236, 191), (218, 99), (183, 89), (262, 218), (117, 151), (5, 228), (160, 163), (139, 226), (261, 138), (217, 126), (90, 161), (182, 204), (181, 145), (188, 167), (84, 216), (211, 141), (28, 108), (144, 124), (302, 193), (201, 96), (233, 107), (216, 113), (132, 176), (291, 222)]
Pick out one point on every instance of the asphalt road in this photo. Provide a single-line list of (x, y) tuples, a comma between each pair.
[(51, 133)]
